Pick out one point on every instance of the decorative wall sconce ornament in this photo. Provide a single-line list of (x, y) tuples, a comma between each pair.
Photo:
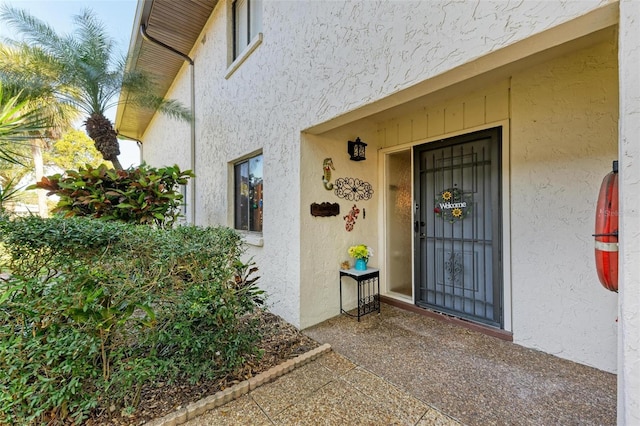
[(356, 150), (353, 189), (350, 219), (327, 166), (325, 209)]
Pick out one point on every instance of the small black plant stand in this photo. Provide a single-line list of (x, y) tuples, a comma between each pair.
[(368, 290)]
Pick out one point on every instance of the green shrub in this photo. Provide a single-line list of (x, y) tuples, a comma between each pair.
[(90, 311), (143, 195)]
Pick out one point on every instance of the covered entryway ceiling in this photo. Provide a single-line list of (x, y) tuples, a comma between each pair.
[(175, 23)]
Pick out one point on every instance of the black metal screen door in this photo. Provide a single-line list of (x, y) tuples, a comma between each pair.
[(457, 226)]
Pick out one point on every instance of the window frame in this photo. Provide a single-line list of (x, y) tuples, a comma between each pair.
[(239, 53), (239, 221)]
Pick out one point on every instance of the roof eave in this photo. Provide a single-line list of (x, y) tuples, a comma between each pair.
[(174, 24)]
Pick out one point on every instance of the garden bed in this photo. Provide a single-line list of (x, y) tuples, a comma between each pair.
[(280, 342)]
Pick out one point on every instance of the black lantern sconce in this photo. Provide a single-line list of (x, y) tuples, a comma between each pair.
[(356, 150)]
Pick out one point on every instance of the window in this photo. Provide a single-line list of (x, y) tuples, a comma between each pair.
[(247, 23), (248, 191)]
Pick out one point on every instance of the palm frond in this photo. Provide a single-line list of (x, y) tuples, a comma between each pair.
[(30, 74), (17, 124), (96, 45), (8, 192), (34, 30), (169, 107)]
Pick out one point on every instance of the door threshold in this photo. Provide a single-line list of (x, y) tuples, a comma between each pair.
[(480, 328), (399, 296)]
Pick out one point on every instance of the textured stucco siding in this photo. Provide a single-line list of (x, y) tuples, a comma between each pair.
[(629, 352), (333, 57), (325, 240), (563, 141), (168, 141), (318, 60)]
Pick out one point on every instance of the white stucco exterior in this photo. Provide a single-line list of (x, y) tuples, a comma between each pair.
[(560, 79), (554, 170), (629, 141)]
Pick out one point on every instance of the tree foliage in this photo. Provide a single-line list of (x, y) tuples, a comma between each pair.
[(72, 151)]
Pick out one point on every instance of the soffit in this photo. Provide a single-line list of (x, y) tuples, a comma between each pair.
[(175, 23)]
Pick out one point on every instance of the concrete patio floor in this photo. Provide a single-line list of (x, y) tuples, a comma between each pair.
[(402, 368), (469, 376)]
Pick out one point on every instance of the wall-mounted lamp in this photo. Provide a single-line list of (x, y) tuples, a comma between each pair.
[(356, 150)]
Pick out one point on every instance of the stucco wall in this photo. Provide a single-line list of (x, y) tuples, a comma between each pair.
[(319, 60), (629, 335), (325, 240), (167, 142), (563, 141)]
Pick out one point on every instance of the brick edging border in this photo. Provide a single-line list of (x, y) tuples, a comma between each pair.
[(220, 398)]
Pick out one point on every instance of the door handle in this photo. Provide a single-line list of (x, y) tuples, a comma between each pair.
[(417, 225)]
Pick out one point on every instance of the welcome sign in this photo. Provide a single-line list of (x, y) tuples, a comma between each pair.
[(453, 205)]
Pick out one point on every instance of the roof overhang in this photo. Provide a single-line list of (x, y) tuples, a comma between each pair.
[(176, 24)]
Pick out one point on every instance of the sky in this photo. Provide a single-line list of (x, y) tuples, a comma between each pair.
[(116, 15)]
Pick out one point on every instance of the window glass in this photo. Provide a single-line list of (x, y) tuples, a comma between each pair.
[(248, 194), (255, 18), (247, 23), (240, 29)]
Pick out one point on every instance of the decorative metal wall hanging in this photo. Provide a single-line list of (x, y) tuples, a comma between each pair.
[(353, 189), (453, 205), (325, 209), (350, 219), (356, 150), (327, 166)]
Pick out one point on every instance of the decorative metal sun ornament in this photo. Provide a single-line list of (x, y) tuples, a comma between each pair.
[(353, 189)]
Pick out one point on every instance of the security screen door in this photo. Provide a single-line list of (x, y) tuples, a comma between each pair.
[(457, 227)]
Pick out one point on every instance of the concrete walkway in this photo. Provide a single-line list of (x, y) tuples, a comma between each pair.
[(330, 390)]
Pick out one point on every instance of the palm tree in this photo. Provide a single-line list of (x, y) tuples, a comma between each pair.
[(81, 70)]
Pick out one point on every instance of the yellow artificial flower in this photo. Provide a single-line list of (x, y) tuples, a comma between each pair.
[(360, 251)]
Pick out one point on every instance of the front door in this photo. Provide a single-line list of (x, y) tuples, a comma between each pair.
[(457, 227)]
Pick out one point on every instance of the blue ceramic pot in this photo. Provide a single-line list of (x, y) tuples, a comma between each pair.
[(361, 265)]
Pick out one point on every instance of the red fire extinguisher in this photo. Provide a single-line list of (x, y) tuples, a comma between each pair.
[(606, 243)]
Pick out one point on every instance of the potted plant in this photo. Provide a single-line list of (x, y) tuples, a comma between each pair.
[(361, 254)]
